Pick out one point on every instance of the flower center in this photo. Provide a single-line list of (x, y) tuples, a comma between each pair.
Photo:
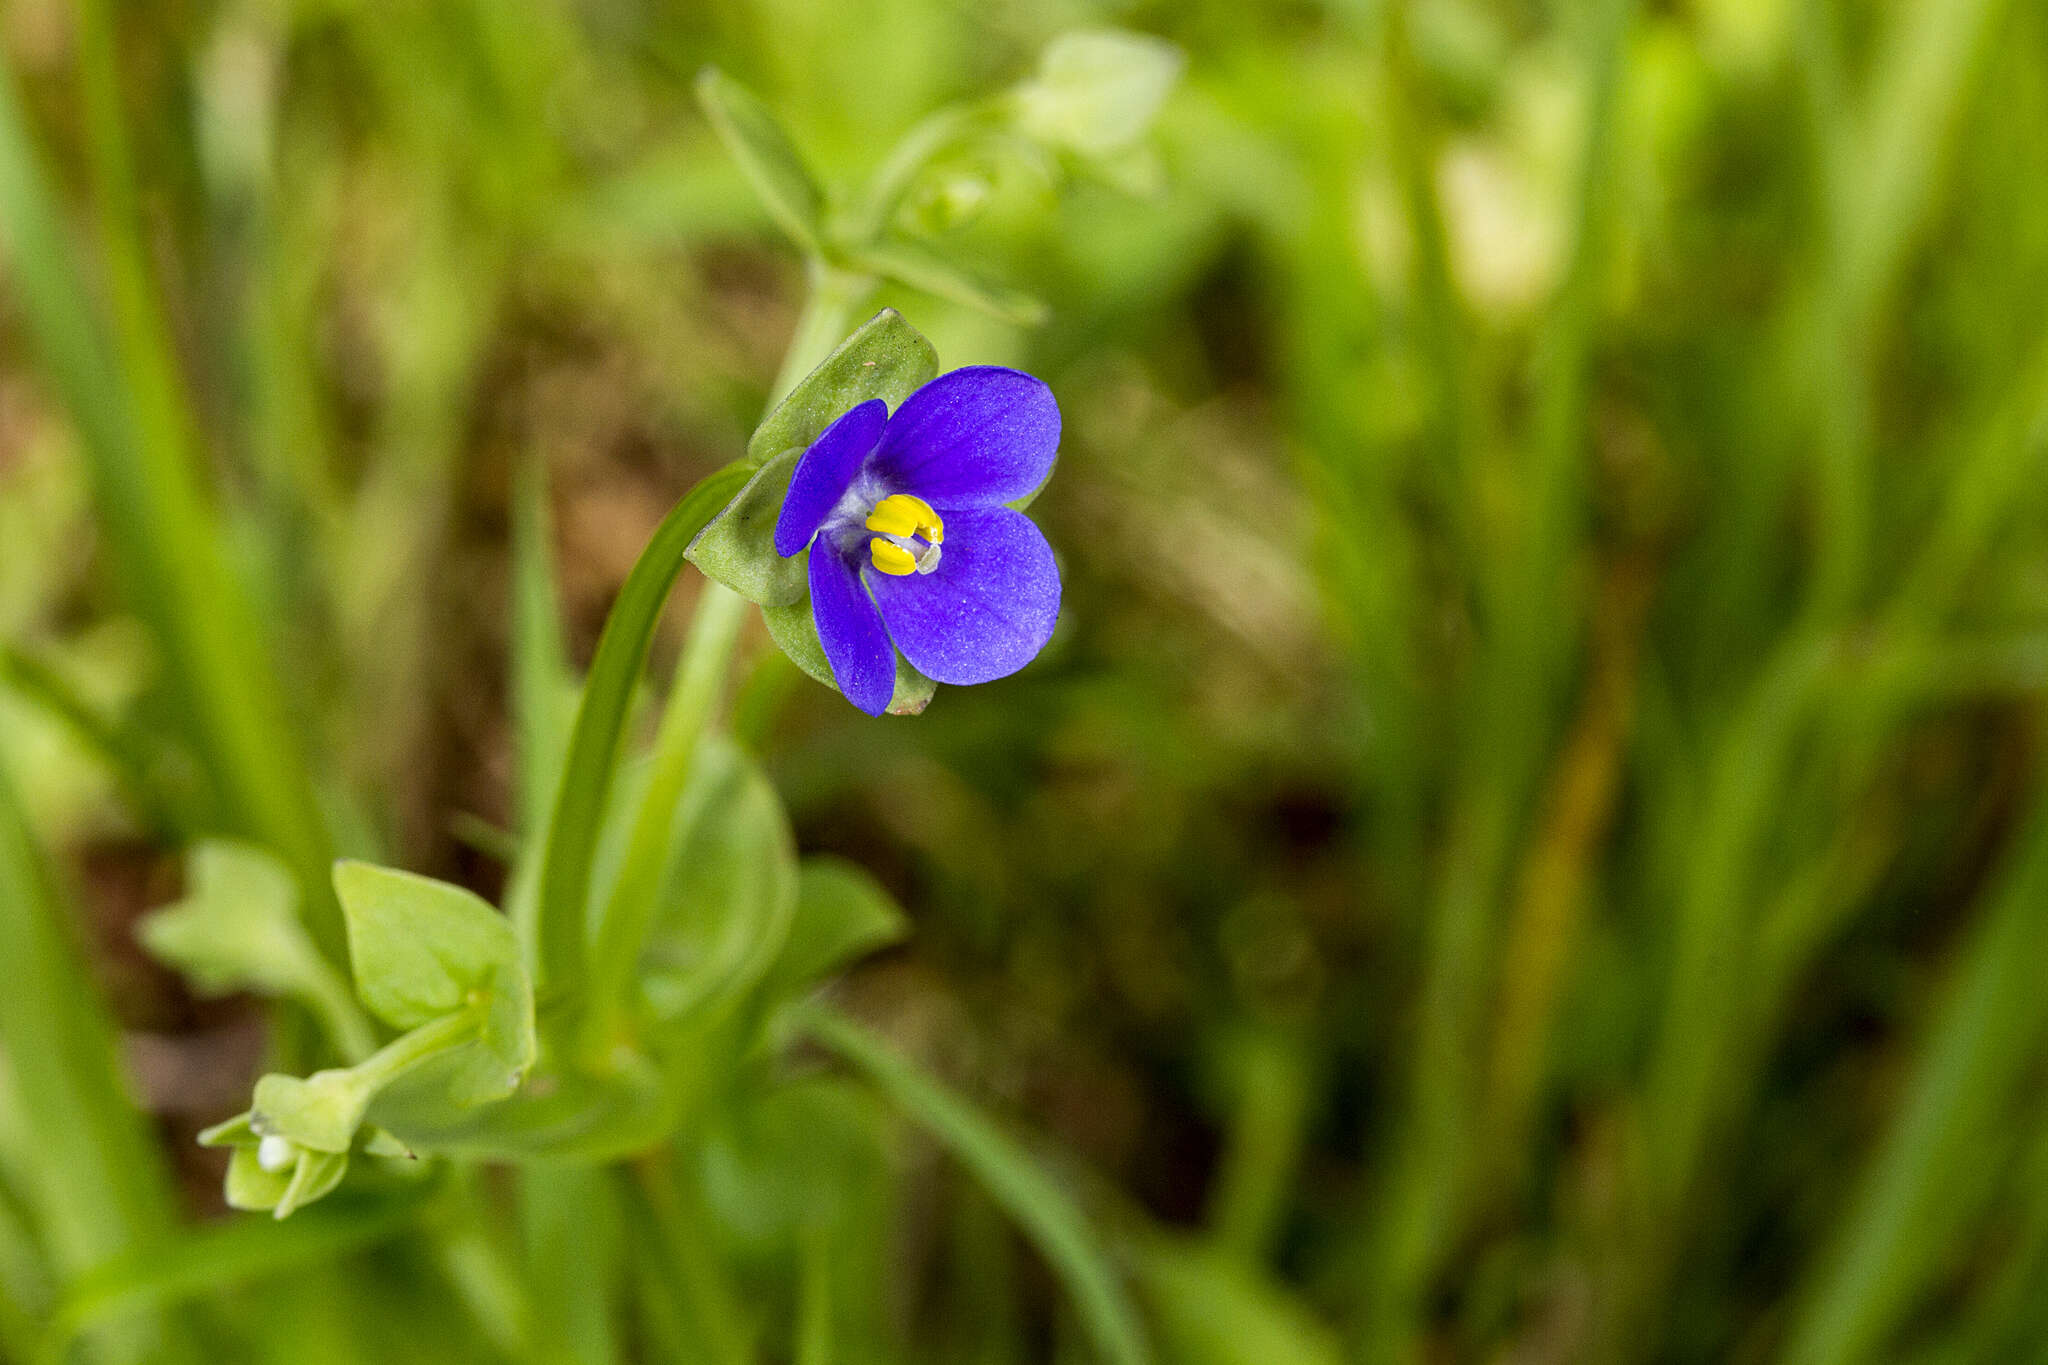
[(908, 535)]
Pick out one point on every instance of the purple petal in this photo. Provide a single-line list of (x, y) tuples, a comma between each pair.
[(856, 645), (978, 437), (986, 610), (822, 475)]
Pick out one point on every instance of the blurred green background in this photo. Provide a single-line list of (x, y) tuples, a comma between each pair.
[(1528, 845)]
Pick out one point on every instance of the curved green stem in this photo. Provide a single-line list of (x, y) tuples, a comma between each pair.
[(836, 296), (596, 743)]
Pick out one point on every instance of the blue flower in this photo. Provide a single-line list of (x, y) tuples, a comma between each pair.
[(911, 546)]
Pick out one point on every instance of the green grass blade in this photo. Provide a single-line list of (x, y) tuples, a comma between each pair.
[(540, 656), (101, 1183), (1906, 1223), (1040, 1207), (99, 1189), (203, 1263), (165, 543), (542, 694), (1513, 697), (570, 1226)]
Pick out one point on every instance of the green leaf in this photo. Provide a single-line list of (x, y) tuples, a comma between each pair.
[(314, 1176), (793, 1158), (766, 156), (885, 358), (237, 927), (1040, 1206), (738, 547), (306, 1175), (1215, 1308), (506, 1043), (425, 950), (419, 946), (730, 886), (577, 1118), (921, 268), (795, 633), (203, 1262), (235, 1132), (250, 1187), (321, 1111), (1135, 171), (1098, 90), (842, 914)]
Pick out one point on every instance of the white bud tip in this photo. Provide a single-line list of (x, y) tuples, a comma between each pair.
[(275, 1153)]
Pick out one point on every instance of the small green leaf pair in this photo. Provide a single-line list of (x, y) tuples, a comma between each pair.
[(886, 358), (855, 242), (429, 958)]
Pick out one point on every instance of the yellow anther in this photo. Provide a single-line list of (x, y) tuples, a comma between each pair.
[(904, 514), (890, 557)]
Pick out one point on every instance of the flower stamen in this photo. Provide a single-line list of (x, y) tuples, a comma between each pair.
[(906, 515), (900, 556), (910, 533), (891, 558)]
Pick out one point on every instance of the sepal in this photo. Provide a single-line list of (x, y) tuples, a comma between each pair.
[(737, 548), (885, 358), (795, 632)]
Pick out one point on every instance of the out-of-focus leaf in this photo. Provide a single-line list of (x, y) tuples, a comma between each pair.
[(921, 268), (730, 887), (207, 1261), (1040, 1207), (97, 1186), (792, 1158), (766, 156), (1135, 171), (1097, 90), (738, 547), (238, 929), (576, 1118), (1915, 1199), (1214, 1308), (163, 539), (885, 358), (542, 694), (842, 914)]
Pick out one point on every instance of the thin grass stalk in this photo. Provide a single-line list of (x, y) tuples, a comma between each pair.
[(1426, 1203), (1907, 1214)]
